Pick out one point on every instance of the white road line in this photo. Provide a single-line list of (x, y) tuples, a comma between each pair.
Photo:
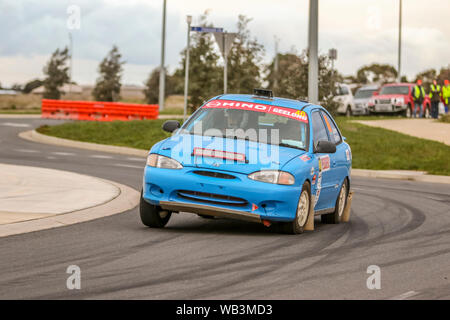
[(13, 124), (63, 153), (136, 159), (51, 158), (128, 166), (100, 156), (405, 295), (26, 150)]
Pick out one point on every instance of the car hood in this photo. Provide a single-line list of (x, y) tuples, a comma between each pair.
[(259, 156)]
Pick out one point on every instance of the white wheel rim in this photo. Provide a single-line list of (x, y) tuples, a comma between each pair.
[(303, 208), (342, 199)]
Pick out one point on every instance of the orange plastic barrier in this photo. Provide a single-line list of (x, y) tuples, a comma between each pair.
[(97, 110)]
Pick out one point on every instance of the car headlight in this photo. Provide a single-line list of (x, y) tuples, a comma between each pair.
[(400, 101), (273, 176), (158, 161)]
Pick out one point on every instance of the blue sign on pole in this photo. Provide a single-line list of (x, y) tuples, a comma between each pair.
[(205, 29)]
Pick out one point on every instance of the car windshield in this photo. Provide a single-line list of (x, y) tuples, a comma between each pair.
[(250, 125), (364, 93), (395, 90)]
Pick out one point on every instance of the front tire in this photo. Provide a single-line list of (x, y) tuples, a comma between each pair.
[(408, 112), (348, 112), (153, 216), (301, 216), (341, 201)]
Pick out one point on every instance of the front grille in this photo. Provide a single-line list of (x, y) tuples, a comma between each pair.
[(385, 101), (212, 198), (214, 174)]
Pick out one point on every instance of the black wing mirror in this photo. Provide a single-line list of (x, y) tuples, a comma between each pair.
[(171, 125), (324, 146)]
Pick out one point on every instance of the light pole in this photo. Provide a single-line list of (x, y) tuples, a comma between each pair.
[(399, 42), (162, 71), (71, 61), (225, 58), (186, 67), (313, 71)]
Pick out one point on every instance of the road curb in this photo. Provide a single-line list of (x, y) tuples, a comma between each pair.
[(19, 116), (127, 199), (33, 135), (399, 175)]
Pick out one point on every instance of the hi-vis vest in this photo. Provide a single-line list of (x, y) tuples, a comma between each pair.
[(446, 93), (435, 89), (418, 93)]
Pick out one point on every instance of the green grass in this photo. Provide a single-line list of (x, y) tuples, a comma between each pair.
[(136, 134), (381, 149), (23, 111), (172, 111), (372, 148)]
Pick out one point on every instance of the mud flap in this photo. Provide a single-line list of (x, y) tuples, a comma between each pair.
[(346, 214), (309, 225)]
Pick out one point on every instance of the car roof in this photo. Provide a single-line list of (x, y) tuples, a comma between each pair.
[(398, 84), (369, 87), (276, 101)]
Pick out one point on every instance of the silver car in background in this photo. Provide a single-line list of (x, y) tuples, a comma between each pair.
[(362, 98)]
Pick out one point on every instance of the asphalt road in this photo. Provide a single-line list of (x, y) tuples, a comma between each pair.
[(401, 226)]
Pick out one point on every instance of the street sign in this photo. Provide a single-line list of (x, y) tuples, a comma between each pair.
[(225, 41), (206, 29), (332, 54)]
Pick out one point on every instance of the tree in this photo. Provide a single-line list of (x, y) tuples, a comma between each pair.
[(444, 74), (151, 90), (107, 87), (292, 78), (427, 77), (205, 75), (244, 60), (33, 84), (380, 73), (57, 73)]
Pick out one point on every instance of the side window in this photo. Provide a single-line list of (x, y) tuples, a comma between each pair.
[(332, 129), (319, 131)]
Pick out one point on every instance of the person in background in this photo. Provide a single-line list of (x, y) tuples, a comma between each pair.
[(446, 94), (418, 97), (435, 97)]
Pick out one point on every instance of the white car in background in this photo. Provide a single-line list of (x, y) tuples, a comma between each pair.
[(344, 97), (362, 97)]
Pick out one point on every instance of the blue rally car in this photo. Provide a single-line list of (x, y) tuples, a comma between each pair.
[(250, 157)]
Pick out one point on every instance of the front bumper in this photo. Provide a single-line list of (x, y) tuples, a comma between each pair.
[(238, 198), (390, 108)]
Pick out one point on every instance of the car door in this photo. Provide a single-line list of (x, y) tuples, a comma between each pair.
[(341, 158), (326, 176)]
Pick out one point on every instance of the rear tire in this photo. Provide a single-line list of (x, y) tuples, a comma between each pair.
[(153, 216), (341, 201), (302, 213), (427, 113)]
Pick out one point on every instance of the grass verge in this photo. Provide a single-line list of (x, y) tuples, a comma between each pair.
[(381, 149), (372, 148)]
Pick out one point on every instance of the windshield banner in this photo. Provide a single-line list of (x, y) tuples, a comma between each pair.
[(280, 111)]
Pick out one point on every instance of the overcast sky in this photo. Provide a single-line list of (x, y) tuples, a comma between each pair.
[(362, 31)]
